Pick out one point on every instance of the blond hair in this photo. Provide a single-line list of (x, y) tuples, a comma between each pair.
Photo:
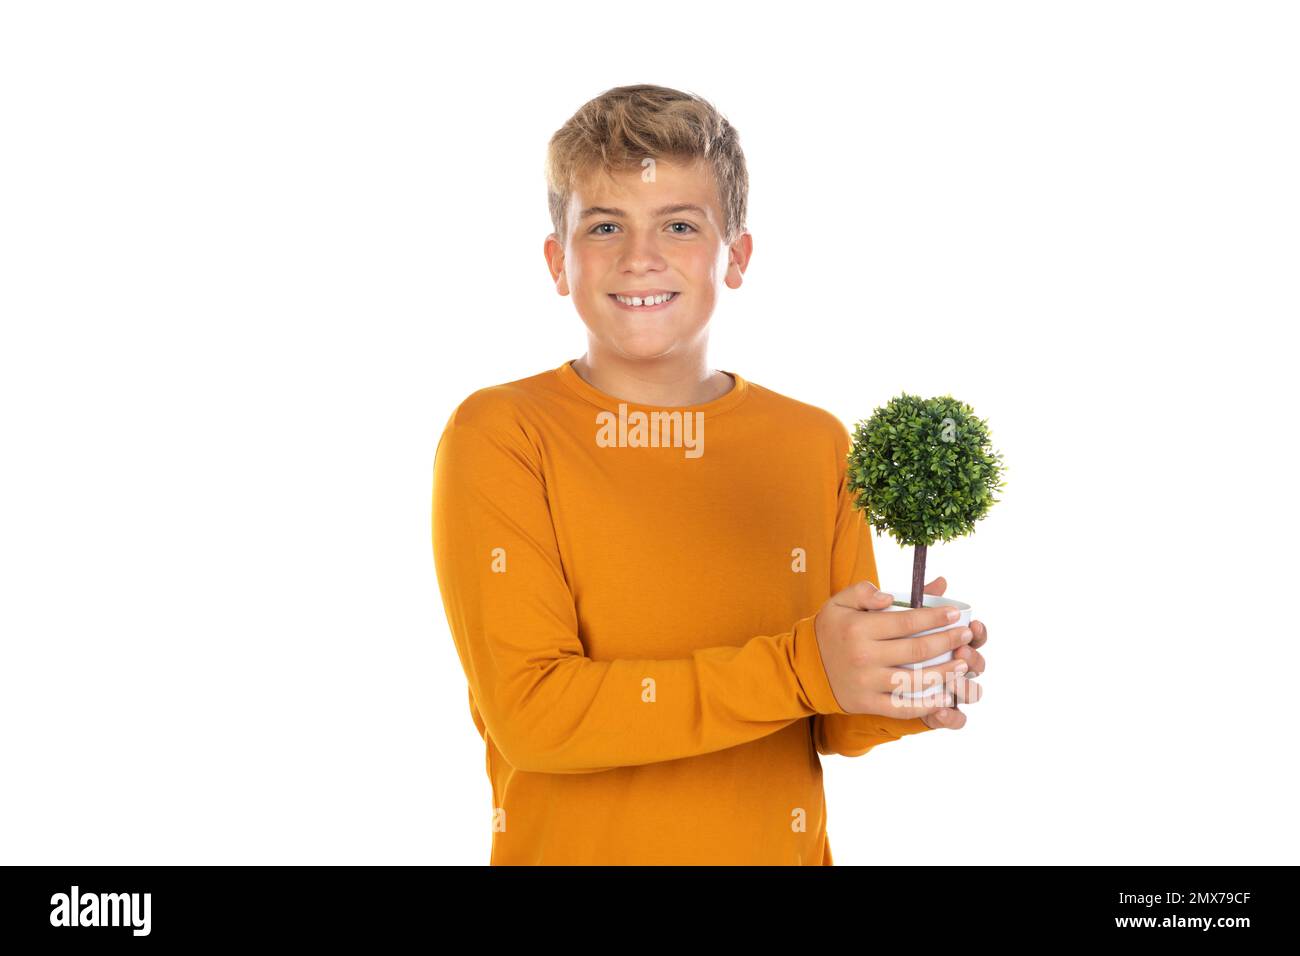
[(618, 129)]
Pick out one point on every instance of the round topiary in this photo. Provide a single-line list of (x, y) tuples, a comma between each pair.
[(923, 470)]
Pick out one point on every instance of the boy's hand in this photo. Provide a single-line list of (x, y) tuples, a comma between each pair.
[(952, 718), (862, 652)]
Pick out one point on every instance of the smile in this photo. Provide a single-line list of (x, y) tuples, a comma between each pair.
[(649, 303)]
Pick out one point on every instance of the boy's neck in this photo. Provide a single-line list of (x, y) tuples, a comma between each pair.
[(668, 383)]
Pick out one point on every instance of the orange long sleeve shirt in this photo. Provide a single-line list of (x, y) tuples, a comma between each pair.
[(631, 594)]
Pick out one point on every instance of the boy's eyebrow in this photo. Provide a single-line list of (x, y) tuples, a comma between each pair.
[(662, 211)]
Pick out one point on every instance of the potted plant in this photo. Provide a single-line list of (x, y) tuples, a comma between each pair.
[(924, 470)]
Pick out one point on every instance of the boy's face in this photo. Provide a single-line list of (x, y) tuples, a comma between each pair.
[(629, 236)]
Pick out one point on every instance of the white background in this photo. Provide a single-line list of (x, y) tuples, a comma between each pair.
[(253, 254)]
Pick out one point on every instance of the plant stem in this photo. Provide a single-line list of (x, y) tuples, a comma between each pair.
[(918, 576)]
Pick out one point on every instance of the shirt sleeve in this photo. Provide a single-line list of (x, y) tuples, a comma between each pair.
[(549, 707), (852, 559)]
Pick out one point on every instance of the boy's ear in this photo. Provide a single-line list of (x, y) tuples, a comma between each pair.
[(553, 250), (738, 254)]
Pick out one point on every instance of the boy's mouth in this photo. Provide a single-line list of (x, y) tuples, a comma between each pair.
[(648, 300)]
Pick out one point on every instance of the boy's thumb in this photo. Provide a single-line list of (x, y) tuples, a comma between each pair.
[(864, 596)]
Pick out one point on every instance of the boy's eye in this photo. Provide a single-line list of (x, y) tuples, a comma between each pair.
[(601, 225)]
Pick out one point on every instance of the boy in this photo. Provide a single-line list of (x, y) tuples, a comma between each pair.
[(635, 552)]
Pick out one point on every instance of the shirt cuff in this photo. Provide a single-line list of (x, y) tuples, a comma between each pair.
[(810, 670)]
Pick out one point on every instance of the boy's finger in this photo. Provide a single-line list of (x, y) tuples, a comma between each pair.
[(950, 717), (899, 707), (914, 620), (913, 650), (932, 680), (974, 660), (968, 691)]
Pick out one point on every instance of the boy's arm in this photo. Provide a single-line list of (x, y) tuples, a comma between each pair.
[(549, 707), (852, 559)]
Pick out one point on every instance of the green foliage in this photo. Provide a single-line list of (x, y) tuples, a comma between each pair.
[(923, 469)]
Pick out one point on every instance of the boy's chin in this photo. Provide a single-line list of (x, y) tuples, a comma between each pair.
[(641, 348), (637, 334), (646, 350)]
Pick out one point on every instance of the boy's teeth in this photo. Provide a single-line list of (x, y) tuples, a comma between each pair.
[(649, 300)]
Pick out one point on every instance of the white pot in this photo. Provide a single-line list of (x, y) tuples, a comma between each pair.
[(930, 600)]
